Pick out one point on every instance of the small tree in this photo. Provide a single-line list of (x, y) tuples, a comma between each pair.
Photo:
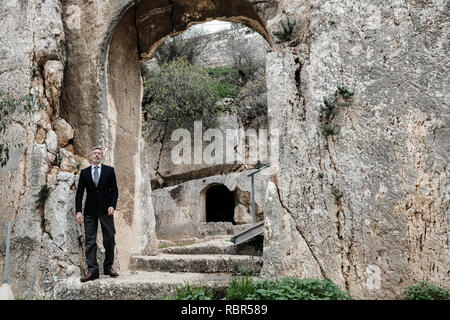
[(180, 93), (287, 28)]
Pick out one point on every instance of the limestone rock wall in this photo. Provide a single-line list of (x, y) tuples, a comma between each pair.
[(390, 160), (45, 240)]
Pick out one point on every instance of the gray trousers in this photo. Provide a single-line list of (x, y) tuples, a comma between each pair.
[(108, 232)]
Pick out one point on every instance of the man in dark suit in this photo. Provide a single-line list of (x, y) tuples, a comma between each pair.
[(100, 183)]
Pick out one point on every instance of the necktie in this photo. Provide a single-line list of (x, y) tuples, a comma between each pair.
[(96, 177)]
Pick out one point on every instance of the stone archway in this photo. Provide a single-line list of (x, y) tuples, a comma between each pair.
[(135, 34)]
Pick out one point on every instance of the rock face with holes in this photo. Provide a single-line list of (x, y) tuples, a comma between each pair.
[(367, 208)]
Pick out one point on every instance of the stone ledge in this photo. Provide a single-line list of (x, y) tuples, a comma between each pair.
[(216, 246), (140, 285), (214, 263)]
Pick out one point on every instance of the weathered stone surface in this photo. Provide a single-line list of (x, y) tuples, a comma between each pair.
[(53, 75), (49, 33), (51, 140), (38, 167), (242, 215), (31, 33), (64, 132), (68, 162), (84, 162), (139, 285), (162, 144), (217, 263), (69, 148), (215, 246), (40, 135), (51, 176)]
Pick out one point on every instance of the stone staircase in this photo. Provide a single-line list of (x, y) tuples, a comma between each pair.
[(210, 261)]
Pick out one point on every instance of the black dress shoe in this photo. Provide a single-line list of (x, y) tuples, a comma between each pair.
[(111, 273), (90, 277)]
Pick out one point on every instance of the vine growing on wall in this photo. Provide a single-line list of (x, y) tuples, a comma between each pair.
[(8, 105), (329, 111), (285, 34), (331, 108)]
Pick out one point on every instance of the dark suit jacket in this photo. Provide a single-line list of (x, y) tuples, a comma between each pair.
[(99, 198)]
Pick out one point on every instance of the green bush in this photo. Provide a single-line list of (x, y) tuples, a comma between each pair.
[(43, 195), (330, 109), (288, 288), (345, 92), (239, 288), (330, 129), (228, 74), (336, 193), (287, 29), (228, 81), (226, 90), (188, 292), (180, 93), (427, 291)]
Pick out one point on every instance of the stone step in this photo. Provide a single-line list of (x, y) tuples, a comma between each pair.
[(140, 285), (200, 231), (165, 243), (205, 229), (212, 263), (216, 246)]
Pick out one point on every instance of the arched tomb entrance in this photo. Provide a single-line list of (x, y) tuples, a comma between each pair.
[(219, 204)]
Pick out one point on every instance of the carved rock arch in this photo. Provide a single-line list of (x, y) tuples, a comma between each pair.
[(134, 34)]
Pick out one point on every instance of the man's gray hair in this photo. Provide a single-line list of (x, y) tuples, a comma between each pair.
[(95, 148)]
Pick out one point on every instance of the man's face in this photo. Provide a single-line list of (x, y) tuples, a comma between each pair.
[(96, 156)]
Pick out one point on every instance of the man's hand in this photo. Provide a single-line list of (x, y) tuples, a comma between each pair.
[(110, 211), (79, 218)]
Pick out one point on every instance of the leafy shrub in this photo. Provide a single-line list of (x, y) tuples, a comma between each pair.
[(427, 291), (228, 81), (329, 129), (287, 28), (288, 288), (226, 90), (43, 195), (227, 74), (188, 292), (330, 109), (240, 288), (345, 92), (336, 193), (180, 93)]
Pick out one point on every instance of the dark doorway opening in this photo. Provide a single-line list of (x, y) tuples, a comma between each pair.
[(219, 204)]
